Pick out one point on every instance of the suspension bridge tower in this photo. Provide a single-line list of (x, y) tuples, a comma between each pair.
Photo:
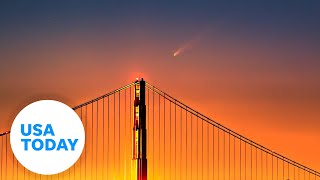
[(139, 133)]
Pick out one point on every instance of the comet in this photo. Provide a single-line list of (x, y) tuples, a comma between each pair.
[(187, 46), (178, 52), (182, 49)]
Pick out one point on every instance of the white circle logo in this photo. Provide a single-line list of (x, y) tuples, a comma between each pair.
[(47, 137)]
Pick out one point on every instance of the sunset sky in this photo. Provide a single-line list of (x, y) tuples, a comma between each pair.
[(251, 66)]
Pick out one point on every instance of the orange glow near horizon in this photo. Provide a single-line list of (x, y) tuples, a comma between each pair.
[(108, 152)]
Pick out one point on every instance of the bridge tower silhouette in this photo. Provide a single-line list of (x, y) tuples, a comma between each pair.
[(139, 133)]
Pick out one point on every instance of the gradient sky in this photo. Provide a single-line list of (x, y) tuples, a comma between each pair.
[(252, 66)]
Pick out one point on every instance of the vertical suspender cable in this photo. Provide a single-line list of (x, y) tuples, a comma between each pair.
[(304, 174), (17, 164), (208, 146), (1, 157), (127, 130), (170, 159), (80, 155), (197, 149), (102, 139), (148, 126), (261, 164), (186, 145), (6, 137), (256, 163), (175, 140), (288, 170), (208, 149), (130, 114), (108, 135), (97, 140), (294, 172), (85, 147), (191, 145), (240, 156), (159, 139), (272, 164), (245, 160), (15, 160), (180, 142), (251, 160), (114, 135), (224, 154), (282, 169), (229, 158), (218, 152), (202, 149), (13, 165), (213, 146), (277, 169), (164, 137), (234, 157), (92, 139), (119, 136), (154, 157), (266, 165)]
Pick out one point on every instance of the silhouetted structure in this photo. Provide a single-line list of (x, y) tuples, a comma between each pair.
[(139, 138), (183, 144)]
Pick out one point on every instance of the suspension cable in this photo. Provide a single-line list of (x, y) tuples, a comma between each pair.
[(196, 113)]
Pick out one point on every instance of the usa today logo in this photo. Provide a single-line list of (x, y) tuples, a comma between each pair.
[(47, 137)]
